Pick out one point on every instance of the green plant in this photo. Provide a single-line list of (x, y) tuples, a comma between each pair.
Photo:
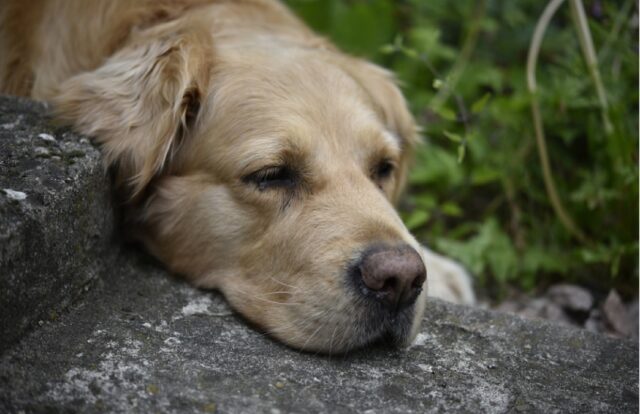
[(478, 191)]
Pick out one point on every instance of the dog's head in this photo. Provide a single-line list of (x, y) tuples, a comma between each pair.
[(267, 172)]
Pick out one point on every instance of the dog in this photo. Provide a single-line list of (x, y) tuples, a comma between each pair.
[(254, 157)]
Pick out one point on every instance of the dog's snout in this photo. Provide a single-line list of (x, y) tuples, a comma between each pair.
[(393, 275)]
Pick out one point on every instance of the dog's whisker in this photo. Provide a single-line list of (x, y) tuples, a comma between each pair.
[(307, 321), (294, 322), (343, 337), (333, 334), (278, 292), (282, 283), (238, 291), (328, 323), (301, 331), (322, 325)]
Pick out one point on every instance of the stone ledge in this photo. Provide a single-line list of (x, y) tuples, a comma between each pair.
[(146, 342), (55, 217), (142, 341)]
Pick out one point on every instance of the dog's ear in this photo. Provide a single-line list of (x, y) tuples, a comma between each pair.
[(140, 104), (388, 102)]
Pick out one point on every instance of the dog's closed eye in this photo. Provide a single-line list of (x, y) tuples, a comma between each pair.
[(383, 170), (272, 177)]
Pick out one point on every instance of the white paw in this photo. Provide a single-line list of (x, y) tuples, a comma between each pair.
[(447, 279)]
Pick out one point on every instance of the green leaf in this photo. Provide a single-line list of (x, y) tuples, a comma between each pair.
[(416, 219), (451, 209), (436, 167), (461, 152), (411, 53), (398, 41), (387, 49), (452, 137), (374, 20), (479, 105), (490, 250), (446, 113), (483, 175), (425, 201)]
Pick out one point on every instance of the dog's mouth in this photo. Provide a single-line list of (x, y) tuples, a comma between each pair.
[(379, 300), (380, 324), (342, 325), (352, 326)]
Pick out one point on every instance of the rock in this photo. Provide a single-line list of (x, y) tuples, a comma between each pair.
[(14, 195), (135, 345), (632, 312), (543, 308), (574, 305), (111, 331), (554, 312), (41, 152), (571, 297), (55, 218), (616, 315), (511, 306), (594, 322), (46, 137)]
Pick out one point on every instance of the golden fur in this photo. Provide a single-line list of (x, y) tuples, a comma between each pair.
[(188, 99)]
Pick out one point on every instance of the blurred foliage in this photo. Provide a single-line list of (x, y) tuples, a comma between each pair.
[(477, 192)]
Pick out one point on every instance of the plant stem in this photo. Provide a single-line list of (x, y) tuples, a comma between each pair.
[(588, 50), (532, 58)]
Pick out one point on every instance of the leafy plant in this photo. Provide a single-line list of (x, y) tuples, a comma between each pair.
[(478, 190)]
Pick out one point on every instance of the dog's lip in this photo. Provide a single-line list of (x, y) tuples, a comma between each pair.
[(393, 327), (378, 322)]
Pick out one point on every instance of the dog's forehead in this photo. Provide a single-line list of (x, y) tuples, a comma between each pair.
[(307, 88), (304, 107)]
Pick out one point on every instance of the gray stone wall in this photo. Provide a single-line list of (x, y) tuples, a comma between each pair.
[(55, 217)]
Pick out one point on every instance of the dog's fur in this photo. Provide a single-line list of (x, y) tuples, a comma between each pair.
[(199, 105)]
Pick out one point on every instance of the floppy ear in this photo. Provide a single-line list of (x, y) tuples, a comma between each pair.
[(388, 102), (140, 104)]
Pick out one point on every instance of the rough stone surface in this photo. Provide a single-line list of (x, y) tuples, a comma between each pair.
[(54, 216), (143, 341)]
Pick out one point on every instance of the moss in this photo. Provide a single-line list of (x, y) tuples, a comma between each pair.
[(152, 389), (209, 408)]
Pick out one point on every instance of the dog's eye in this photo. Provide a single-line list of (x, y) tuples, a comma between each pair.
[(272, 177), (383, 170)]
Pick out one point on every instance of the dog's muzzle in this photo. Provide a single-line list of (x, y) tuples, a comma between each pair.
[(387, 281)]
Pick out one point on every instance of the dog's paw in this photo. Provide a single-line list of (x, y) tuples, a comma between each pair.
[(447, 279)]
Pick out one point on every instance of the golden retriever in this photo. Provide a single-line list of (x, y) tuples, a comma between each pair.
[(255, 157)]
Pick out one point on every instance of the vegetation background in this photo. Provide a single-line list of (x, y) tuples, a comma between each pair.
[(478, 191)]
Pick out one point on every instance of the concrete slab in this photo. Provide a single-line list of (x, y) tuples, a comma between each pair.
[(55, 217)]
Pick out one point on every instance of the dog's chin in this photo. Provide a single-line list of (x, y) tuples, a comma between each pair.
[(374, 328), (369, 326), (394, 329), (378, 325)]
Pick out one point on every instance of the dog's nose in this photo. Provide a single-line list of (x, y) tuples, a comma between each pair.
[(394, 275)]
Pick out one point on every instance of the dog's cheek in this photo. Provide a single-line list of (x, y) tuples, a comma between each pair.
[(197, 229)]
